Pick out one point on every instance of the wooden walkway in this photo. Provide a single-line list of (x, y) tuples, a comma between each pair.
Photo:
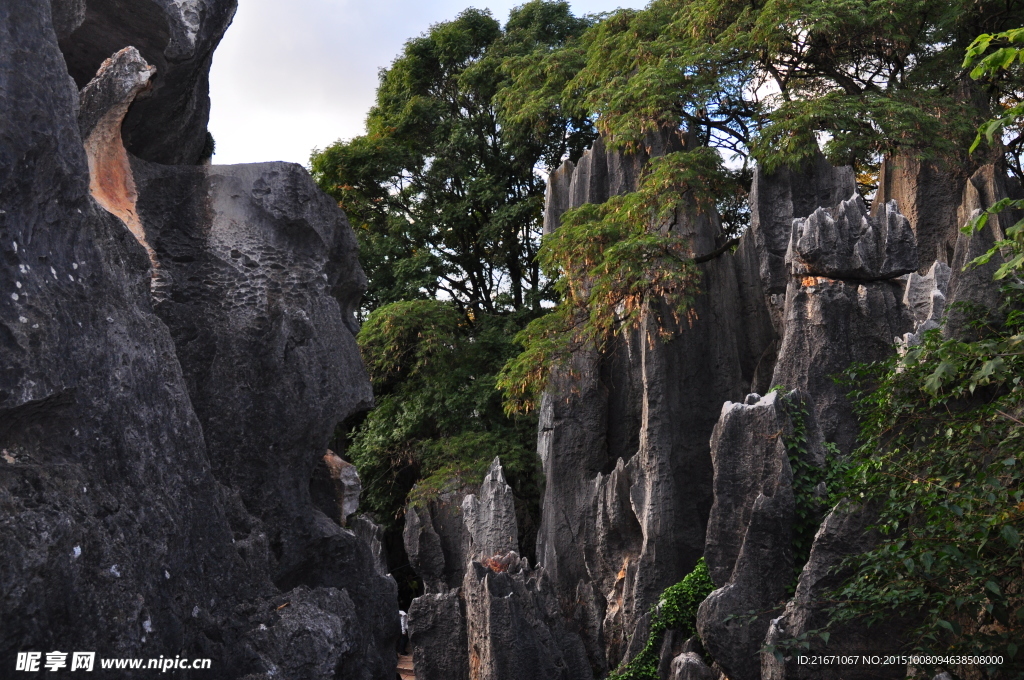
[(405, 667)]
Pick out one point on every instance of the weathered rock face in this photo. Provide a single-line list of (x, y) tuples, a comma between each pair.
[(974, 285), (844, 532), (843, 302), (437, 541), (490, 516), (822, 283), (689, 666), (335, 487), (831, 323), (819, 283), (110, 512), (750, 534), (925, 299), (178, 37), (852, 245), (775, 201), (502, 619), (155, 478), (254, 261), (623, 435), (928, 194), (515, 627)]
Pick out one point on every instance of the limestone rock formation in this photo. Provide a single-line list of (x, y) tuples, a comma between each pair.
[(623, 434), (437, 541), (689, 666), (750, 533), (178, 37), (490, 518), (437, 632), (503, 619), (846, 531), (514, 625), (259, 276), (335, 487), (820, 282), (843, 301), (158, 443), (974, 286), (775, 201), (925, 299), (928, 194), (847, 243)]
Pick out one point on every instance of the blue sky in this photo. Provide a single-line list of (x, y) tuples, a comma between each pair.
[(292, 76)]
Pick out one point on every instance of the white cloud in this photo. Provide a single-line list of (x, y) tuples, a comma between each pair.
[(292, 76)]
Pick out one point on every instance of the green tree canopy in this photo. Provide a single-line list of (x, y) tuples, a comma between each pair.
[(443, 189)]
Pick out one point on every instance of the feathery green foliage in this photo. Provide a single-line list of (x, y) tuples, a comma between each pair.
[(438, 415), (992, 58)]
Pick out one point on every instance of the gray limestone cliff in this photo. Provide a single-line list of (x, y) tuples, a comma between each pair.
[(178, 348), (624, 434), (650, 458)]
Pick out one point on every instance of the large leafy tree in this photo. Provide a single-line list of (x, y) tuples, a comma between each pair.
[(446, 198), (941, 454), (443, 189)]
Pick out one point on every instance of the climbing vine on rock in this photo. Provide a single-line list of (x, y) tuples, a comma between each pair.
[(942, 462), (810, 501), (676, 610)]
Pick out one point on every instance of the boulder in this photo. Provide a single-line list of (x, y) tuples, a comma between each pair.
[(689, 666), (848, 243)]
